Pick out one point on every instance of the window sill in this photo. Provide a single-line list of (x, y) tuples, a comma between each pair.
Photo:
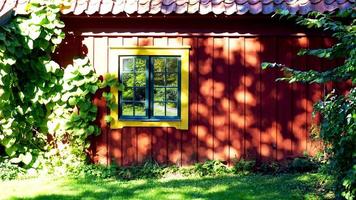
[(149, 120), (178, 124)]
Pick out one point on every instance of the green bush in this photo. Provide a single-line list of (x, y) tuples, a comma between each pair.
[(269, 168), (303, 165), (96, 171), (149, 169), (211, 168), (243, 166), (9, 171)]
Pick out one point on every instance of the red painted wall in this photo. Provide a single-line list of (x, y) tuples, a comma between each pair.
[(236, 109)]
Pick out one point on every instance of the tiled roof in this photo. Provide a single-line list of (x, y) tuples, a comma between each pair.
[(226, 7)]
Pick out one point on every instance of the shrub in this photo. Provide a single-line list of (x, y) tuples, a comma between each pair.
[(96, 171), (9, 171), (269, 168), (243, 166), (149, 169), (303, 165), (211, 168)]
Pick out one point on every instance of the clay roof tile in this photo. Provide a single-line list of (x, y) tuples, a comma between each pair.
[(268, 8), (218, 8), (227, 7), (106, 7), (131, 6), (230, 8), (242, 8), (143, 8), (93, 7), (256, 8), (181, 8), (193, 8), (168, 9), (71, 8)]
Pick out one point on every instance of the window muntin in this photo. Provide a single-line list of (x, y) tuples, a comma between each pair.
[(152, 88)]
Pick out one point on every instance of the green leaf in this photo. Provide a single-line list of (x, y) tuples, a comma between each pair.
[(91, 129), (85, 70), (121, 87), (56, 40), (27, 158), (72, 101), (15, 160), (108, 119), (265, 65), (11, 151), (34, 34), (8, 141)]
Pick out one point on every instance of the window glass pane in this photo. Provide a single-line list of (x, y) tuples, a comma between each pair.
[(140, 109), (172, 79), (159, 79), (158, 64), (140, 79), (127, 64), (172, 94), (140, 94), (172, 64), (128, 79), (127, 94), (158, 94), (140, 64), (158, 109), (127, 109), (172, 109)]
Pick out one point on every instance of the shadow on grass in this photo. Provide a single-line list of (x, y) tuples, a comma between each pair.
[(231, 187)]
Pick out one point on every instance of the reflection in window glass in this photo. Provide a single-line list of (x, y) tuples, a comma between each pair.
[(128, 64), (172, 65), (127, 94), (128, 79), (140, 94), (140, 109), (127, 109), (159, 94), (140, 79), (172, 94), (158, 64), (171, 109), (140, 64), (172, 79), (158, 109), (159, 79), (133, 76), (151, 87)]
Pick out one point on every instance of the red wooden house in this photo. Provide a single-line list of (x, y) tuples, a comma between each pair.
[(194, 86)]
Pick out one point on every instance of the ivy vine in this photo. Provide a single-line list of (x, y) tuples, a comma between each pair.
[(46, 111)]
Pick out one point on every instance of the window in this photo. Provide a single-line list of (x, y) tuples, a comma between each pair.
[(156, 86), (152, 89)]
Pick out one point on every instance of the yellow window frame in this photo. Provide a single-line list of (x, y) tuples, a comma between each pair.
[(183, 52)]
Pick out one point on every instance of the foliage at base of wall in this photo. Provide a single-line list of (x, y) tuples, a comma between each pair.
[(337, 128), (46, 111), (151, 169)]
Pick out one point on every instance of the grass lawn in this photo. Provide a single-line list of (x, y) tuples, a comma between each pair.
[(296, 186)]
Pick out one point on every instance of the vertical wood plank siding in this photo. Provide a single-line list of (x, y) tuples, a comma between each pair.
[(236, 109)]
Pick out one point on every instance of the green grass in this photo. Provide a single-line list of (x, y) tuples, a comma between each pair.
[(297, 186)]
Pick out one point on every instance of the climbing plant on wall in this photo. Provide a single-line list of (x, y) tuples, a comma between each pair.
[(46, 111), (338, 111)]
